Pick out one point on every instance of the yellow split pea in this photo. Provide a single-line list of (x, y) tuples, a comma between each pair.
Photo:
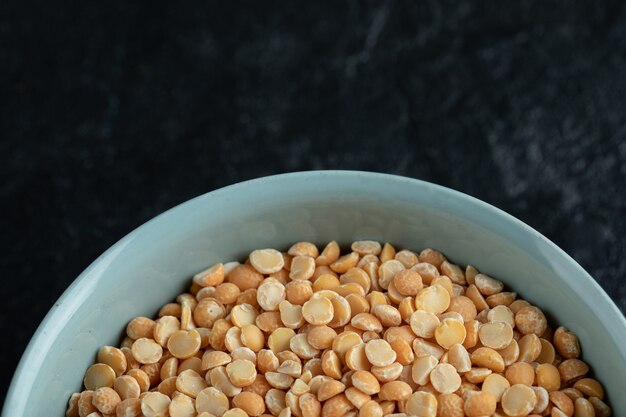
[(376, 331)]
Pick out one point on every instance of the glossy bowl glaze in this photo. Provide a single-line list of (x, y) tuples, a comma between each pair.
[(152, 264)]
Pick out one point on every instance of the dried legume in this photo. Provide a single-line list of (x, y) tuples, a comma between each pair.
[(375, 332)]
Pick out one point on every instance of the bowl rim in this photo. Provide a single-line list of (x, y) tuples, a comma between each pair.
[(69, 300)]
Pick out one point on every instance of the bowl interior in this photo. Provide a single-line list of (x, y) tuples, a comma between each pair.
[(154, 263)]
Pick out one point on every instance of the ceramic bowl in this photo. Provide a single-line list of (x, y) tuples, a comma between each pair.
[(148, 267)]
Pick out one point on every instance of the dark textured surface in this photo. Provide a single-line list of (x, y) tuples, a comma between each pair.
[(112, 113)]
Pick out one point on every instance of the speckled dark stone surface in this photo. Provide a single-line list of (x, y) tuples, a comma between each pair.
[(113, 112)]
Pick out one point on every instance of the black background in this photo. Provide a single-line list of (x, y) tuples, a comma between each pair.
[(112, 112)]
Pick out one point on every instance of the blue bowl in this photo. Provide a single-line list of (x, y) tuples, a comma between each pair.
[(149, 266)]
